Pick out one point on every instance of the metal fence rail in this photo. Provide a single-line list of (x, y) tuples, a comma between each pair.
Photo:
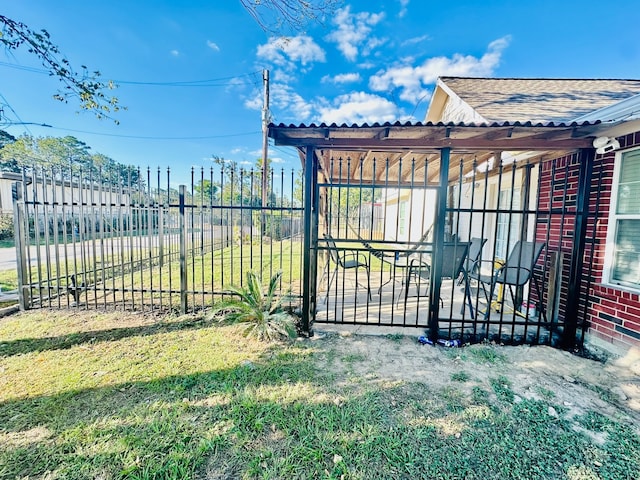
[(377, 250), (141, 242)]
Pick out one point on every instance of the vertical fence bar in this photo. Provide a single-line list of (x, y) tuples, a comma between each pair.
[(24, 290), (101, 216), (36, 231), (56, 237), (92, 224), (46, 204), (183, 251)]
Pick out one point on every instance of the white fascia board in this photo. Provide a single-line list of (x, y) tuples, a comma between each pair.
[(618, 119), (624, 110)]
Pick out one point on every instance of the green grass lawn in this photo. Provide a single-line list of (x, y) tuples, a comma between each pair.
[(210, 271), (88, 395)]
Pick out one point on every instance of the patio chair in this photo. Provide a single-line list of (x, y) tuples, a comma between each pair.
[(517, 271), (346, 260), (453, 260), (471, 262)]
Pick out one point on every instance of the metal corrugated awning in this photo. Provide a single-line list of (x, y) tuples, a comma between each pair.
[(378, 151)]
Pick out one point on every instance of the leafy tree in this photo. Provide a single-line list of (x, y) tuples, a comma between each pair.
[(7, 165), (84, 86), (67, 156), (205, 188), (235, 185), (62, 152), (6, 138)]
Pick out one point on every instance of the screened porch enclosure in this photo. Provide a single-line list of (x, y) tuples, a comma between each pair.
[(445, 228)]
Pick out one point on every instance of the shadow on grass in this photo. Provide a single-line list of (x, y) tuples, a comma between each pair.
[(243, 422), (62, 342), (145, 429)]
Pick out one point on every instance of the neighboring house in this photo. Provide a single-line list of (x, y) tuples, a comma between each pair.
[(610, 289)]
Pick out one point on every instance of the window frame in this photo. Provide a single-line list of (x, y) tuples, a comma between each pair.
[(612, 226)]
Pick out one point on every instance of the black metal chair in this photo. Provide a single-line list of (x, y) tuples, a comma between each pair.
[(453, 260), (473, 255), (399, 258), (346, 260), (517, 271)]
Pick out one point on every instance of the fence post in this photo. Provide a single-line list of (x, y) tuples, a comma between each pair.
[(24, 291), (183, 252), (438, 245), (574, 292)]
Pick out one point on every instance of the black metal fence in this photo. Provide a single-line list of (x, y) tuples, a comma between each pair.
[(387, 250), (147, 243)]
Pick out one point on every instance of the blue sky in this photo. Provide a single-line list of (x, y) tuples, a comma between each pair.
[(370, 61)]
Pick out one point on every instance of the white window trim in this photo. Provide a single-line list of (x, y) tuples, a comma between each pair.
[(611, 227)]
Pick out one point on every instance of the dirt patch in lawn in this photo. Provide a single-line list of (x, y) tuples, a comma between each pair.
[(611, 386)]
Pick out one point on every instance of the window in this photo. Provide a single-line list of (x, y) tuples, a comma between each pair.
[(508, 223), (624, 227), (402, 219)]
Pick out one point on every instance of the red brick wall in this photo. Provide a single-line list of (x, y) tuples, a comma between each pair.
[(612, 313)]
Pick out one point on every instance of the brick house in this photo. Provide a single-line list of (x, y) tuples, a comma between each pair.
[(609, 289)]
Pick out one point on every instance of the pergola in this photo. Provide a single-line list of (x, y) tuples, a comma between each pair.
[(439, 154)]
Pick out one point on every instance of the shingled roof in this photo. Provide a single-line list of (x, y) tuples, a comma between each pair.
[(526, 99)]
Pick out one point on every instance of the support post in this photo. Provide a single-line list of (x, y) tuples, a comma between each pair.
[(585, 163), (183, 251), (20, 235), (308, 270), (438, 245)]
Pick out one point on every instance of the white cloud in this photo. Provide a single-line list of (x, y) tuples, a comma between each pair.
[(255, 101), (175, 53), (287, 100), (415, 40), (358, 107), (403, 8), (277, 160), (213, 46), (411, 80), (342, 78), (366, 65), (353, 31), (287, 51)]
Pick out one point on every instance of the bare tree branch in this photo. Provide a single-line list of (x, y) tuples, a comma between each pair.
[(275, 15)]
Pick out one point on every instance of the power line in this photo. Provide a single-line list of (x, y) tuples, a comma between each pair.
[(211, 82), (6, 103), (141, 137)]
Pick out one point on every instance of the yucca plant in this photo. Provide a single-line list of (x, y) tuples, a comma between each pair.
[(260, 312)]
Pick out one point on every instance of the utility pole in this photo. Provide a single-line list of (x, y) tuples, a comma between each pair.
[(265, 136)]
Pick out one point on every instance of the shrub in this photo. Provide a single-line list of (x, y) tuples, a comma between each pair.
[(260, 312), (6, 226)]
